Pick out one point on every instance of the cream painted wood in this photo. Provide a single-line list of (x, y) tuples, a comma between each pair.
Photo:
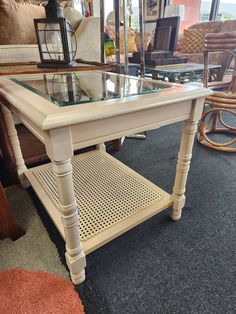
[(90, 133), (101, 146), (184, 159), (59, 149), (15, 144), (63, 129), (47, 116), (48, 199)]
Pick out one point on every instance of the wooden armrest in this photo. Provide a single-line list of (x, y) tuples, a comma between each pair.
[(12, 64)]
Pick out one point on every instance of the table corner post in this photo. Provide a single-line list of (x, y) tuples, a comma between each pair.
[(15, 144), (184, 158), (60, 150), (101, 147)]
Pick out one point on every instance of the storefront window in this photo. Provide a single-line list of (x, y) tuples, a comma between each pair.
[(205, 10), (227, 10)]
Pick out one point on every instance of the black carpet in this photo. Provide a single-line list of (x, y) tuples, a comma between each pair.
[(163, 266)]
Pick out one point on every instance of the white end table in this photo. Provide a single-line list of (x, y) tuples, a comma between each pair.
[(93, 198)]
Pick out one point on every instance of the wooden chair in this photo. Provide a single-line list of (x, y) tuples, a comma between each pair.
[(224, 97)]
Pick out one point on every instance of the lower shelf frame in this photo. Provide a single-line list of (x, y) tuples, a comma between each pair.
[(112, 198)]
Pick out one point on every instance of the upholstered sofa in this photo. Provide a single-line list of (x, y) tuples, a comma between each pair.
[(17, 34), (207, 27), (19, 45)]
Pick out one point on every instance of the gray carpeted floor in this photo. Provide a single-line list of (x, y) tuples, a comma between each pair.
[(163, 266), (34, 250)]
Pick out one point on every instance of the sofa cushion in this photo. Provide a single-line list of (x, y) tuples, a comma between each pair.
[(88, 39), (211, 26), (16, 22), (73, 16), (132, 47), (180, 42), (228, 26), (194, 40), (148, 39)]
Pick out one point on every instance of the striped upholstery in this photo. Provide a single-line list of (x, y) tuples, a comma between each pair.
[(219, 41)]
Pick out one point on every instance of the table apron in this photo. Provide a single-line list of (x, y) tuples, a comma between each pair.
[(99, 131), (102, 130)]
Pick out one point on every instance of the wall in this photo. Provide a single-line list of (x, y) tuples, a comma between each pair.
[(192, 12)]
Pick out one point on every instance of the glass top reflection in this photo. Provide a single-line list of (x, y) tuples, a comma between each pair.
[(72, 88)]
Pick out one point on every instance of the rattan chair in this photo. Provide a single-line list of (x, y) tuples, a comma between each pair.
[(224, 98)]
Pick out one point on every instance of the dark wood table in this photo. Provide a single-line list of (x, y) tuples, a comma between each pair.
[(8, 69), (181, 73)]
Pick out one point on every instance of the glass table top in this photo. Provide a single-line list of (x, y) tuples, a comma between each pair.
[(73, 88)]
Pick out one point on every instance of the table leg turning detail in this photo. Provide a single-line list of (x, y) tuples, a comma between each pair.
[(75, 257), (15, 144), (184, 159), (60, 155)]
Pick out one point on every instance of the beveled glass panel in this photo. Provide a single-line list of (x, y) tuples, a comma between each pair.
[(53, 40), (74, 88), (50, 40), (71, 40)]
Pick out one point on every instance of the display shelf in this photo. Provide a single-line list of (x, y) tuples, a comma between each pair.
[(111, 197)]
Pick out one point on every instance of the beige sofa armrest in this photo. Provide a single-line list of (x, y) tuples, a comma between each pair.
[(19, 53), (88, 39)]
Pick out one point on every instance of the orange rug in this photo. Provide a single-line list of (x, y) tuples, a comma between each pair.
[(31, 292)]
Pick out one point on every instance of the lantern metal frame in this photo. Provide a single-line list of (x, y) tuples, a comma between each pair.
[(68, 61)]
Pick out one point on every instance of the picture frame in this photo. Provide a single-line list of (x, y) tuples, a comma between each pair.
[(152, 10)]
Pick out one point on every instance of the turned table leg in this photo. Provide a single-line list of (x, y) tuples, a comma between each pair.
[(15, 144), (8, 161), (60, 151), (184, 159), (101, 147)]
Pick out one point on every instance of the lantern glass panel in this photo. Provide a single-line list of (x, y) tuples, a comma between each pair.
[(50, 40), (53, 41), (71, 41), (41, 38)]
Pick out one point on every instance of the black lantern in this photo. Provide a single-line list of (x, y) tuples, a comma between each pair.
[(55, 37)]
